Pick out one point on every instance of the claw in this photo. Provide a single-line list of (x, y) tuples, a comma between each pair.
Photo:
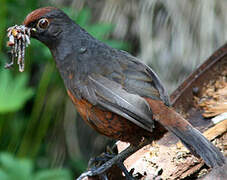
[(85, 174), (97, 161), (128, 175), (113, 160)]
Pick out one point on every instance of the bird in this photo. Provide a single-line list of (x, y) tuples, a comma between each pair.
[(113, 91)]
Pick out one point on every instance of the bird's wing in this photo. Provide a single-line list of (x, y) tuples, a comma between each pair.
[(141, 79), (118, 83), (111, 96)]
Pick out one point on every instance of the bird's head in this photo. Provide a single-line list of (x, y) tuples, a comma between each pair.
[(47, 24)]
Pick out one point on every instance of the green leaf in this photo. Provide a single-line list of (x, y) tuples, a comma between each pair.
[(70, 12), (83, 17), (20, 169), (100, 30), (117, 44), (13, 91), (3, 175), (42, 57), (56, 174)]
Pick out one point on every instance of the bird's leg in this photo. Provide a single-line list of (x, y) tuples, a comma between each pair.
[(99, 160), (104, 157), (117, 159), (128, 175)]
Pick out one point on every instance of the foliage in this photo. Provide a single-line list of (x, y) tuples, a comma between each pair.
[(23, 169), (32, 104), (13, 92), (99, 30)]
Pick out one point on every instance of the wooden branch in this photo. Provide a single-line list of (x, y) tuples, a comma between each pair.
[(212, 132), (171, 161)]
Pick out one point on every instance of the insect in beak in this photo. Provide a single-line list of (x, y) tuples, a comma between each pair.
[(19, 39)]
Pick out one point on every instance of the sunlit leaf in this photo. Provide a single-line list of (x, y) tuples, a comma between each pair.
[(100, 30), (56, 174), (83, 17), (3, 175), (20, 169), (13, 91), (36, 47), (117, 44)]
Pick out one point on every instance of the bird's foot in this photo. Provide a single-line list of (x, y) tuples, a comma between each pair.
[(104, 157), (99, 160), (108, 160), (99, 166)]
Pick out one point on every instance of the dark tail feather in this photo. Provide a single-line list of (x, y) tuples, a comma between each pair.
[(199, 145), (189, 136)]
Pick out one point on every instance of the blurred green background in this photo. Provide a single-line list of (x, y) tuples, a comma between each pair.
[(41, 136)]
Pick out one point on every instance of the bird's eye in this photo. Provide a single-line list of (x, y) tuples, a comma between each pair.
[(43, 23)]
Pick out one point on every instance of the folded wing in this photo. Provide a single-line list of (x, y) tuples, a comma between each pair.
[(111, 96)]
